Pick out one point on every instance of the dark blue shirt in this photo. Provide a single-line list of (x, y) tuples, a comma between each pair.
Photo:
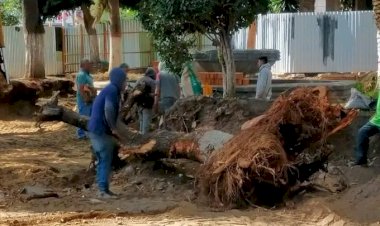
[(106, 105)]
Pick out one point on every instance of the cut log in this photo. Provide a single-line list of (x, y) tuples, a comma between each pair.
[(158, 144)]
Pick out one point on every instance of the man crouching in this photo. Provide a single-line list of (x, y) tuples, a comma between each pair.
[(102, 128)]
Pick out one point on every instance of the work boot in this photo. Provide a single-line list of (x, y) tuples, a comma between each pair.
[(358, 163), (112, 194), (107, 195)]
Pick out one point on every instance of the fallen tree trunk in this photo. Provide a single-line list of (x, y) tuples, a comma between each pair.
[(259, 165), (155, 145)]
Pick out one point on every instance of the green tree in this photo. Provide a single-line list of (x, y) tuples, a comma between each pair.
[(89, 21), (278, 6), (128, 14), (113, 8), (218, 19), (10, 12)]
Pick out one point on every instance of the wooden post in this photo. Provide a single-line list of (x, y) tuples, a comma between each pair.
[(81, 42), (251, 42), (2, 42), (105, 45), (333, 5), (64, 53)]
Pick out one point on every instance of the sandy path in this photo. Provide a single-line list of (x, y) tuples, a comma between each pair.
[(54, 158)]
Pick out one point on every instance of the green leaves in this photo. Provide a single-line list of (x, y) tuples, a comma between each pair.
[(172, 22), (278, 6), (10, 12)]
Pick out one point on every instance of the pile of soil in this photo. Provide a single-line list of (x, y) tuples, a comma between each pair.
[(20, 97), (361, 202), (227, 115)]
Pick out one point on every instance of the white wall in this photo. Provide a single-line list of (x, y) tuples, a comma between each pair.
[(320, 5), (320, 42)]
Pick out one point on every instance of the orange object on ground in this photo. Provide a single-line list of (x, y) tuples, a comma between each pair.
[(207, 90)]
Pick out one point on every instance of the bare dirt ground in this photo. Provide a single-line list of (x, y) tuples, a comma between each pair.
[(51, 157)]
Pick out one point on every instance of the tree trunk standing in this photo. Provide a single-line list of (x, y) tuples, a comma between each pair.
[(115, 44), (307, 5), (34, 40), (376, 9), (92, 34), (228, 65)]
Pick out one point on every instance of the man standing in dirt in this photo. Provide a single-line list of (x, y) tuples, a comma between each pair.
[(102, 129), (264, 81), (168, 89), (362, 140), (85, 93), (145, 102)]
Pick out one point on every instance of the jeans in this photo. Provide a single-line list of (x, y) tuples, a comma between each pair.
[(166, 103), (362, 141), (103, 146), (145, 118), (83, 109)]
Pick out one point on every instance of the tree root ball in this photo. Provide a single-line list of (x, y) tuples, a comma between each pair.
[(287, 145)]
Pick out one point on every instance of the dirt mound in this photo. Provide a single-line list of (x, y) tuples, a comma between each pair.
[(360, 203), (228, 115), (21, 95), (286, 146)]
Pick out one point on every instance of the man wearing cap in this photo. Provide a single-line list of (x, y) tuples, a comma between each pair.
[(85, 93)]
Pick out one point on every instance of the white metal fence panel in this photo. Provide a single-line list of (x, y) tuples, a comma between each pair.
[(137, 44), (240, 39), (14, 52), (320, 42), (53, 58), (378, 50)]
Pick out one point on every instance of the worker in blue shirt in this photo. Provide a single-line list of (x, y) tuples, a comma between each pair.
[(102, 128), (85, 93)]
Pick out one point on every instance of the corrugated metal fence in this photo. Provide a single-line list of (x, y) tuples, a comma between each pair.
[(14, 52), (308, 43), (64, 50), (136, 43), (320, 42)]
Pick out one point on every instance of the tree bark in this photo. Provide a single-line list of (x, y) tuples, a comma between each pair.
[(155, 145), (376, 9), (333, 5), (2, 42), (34, 40), (115, 45), (91, 32), (228, 65), (307, 5)]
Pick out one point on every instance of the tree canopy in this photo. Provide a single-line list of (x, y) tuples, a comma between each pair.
[(278, 6), (172, 22), (10, 12)]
